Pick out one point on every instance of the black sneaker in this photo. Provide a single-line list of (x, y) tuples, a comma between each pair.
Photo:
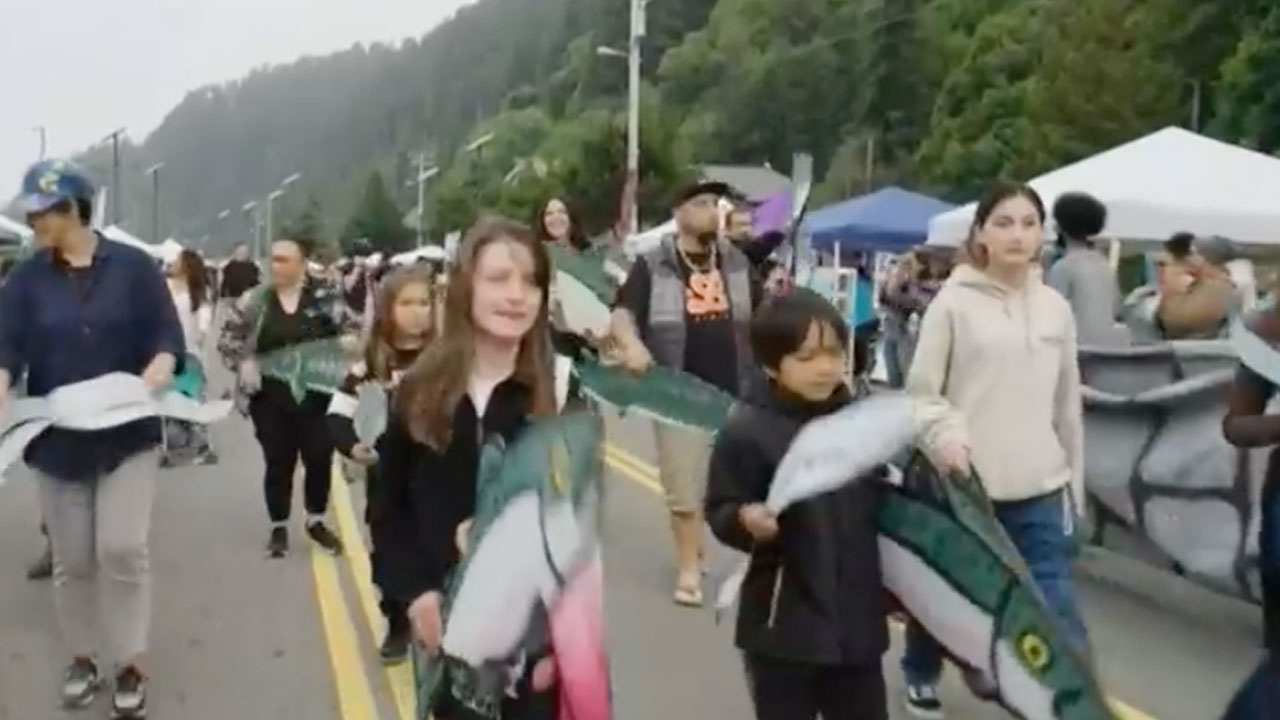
[(324, 537), (80, 683), (395, 646), (42, 569), (278, 545), (922, 702), (129, 701)]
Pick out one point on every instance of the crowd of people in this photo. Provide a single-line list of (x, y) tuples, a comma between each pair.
[(985, 344)]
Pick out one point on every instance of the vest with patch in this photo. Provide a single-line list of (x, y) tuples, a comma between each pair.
[(667, 331)]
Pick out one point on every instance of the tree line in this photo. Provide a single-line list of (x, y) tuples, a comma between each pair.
[(939, 95)]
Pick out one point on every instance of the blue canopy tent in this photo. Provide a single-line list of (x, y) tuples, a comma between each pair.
[(887, 220)]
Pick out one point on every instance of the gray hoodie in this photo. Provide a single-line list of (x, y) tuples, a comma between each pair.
[(1084, 277)]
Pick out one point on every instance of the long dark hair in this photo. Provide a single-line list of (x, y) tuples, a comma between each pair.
[(380, 349), (577, 238), (431, 390), (192, 267)]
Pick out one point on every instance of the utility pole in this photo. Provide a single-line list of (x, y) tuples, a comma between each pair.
[(633, 115), (115, 174), (870, 171), (252, 217), (424, 174), (1195, 105), (44, 138), (154, 172)]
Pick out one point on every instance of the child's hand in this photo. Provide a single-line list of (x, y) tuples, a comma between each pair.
[(460, 536), (363, 454), (758, 520)]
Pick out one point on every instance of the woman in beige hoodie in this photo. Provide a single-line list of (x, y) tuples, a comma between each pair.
[(998, 389)]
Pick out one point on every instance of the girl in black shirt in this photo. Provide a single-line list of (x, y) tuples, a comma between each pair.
[(489, 372), (402, 329)]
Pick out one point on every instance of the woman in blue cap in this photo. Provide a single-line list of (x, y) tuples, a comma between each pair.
[(80, 307)]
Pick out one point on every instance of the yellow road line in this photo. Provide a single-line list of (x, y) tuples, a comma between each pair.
[(355, 697), (645, 475), (399, 677)]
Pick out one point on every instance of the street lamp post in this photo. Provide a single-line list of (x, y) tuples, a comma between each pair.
[(637, 34), (252, 217), (115, 174), (154, 172), (271, 203), (218, 231), (424, 174), (43, 132)]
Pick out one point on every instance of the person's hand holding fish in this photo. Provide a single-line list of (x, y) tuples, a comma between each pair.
[(424, 616), (953, 457), (759, 521), (363, 454), (460, 536)]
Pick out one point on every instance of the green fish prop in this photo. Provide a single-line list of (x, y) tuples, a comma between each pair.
[(501, 599), (950, 564), (318, 365)]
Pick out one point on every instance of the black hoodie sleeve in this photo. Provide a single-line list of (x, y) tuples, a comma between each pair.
[(415, 563), (738, 475)]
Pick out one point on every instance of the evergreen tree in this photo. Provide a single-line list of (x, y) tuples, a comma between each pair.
[(309, 223), (378, 219)]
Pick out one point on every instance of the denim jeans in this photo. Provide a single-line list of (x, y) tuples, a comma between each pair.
[(893, 359), (1038, 529), (1259, 697)]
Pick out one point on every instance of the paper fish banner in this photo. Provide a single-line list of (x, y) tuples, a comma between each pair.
[(948, 562), (666, 395), (372, 413), (830, 452), (534, 553), (103, 402), (318, 365)]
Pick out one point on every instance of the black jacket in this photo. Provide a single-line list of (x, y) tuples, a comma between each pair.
[(813, 594), (427, 493)]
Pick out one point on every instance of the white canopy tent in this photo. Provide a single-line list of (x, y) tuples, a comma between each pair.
[(16, 229), (169, 250), (115, 233), (1170, 181), (434, 253)]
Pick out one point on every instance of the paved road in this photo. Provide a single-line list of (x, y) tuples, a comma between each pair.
[(238, 636)]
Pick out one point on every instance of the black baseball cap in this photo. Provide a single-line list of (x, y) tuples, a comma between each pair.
[(702, 187)]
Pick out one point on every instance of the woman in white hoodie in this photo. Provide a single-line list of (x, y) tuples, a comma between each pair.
[(997, 386)]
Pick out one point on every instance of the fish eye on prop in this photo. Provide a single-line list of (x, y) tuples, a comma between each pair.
[(1034, 651)]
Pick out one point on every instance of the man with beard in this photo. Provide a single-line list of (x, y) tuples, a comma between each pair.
[(686, 305)]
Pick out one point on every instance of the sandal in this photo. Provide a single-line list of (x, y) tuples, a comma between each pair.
[(689, 591)]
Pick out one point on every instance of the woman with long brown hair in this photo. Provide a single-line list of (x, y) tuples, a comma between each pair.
[(402, 329), (188, 284), (485, 378)]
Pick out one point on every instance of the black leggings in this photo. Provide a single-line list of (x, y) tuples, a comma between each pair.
[(782, 690), (395, 611), (288, 430)]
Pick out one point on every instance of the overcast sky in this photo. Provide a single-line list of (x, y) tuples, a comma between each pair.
[(83, 68)]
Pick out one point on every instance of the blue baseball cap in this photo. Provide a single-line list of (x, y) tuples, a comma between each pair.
[(50, 182)]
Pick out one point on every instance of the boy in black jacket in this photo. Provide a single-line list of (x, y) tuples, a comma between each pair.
[(811, 621)]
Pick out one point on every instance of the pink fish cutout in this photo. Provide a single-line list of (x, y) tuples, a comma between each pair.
[(577, 637)]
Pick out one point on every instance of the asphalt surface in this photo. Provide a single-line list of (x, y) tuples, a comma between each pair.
[(239, 636)]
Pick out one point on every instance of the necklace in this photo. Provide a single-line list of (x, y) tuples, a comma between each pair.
[(696, 267)]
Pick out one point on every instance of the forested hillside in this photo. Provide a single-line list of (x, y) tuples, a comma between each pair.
[(938, 94)]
